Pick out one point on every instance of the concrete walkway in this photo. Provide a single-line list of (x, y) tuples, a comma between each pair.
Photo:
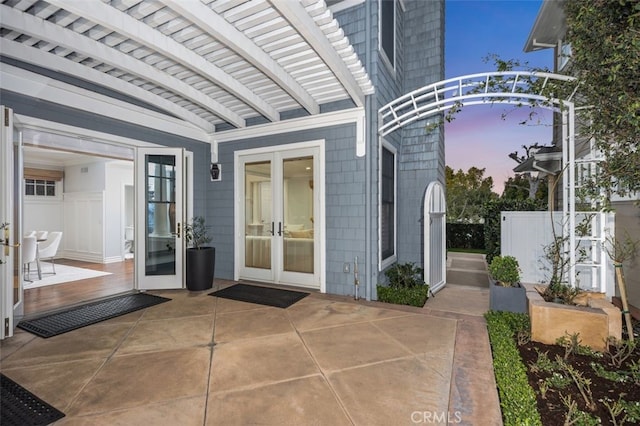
[(327, 360)]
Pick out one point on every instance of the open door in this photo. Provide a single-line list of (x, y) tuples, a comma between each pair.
[(11, 286), (160, 208)]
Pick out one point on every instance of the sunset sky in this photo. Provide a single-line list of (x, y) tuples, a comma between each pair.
[(479, 136)]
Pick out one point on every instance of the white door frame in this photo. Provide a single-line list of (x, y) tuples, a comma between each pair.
[(7, 216), (168, 281), (47, 133), (279, 276)]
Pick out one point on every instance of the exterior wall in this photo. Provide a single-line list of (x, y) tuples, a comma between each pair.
[(628, 223), (422, 152), (344, 201), (53, 112), (419, 62)]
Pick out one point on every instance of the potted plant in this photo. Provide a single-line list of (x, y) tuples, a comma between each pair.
[(505, 291), (200, 258)]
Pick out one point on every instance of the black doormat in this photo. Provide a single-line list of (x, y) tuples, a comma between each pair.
[(19, 407), (91, 313), (261, 295)]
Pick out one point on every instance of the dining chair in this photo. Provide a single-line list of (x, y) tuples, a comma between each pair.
[(49, 248), (30, 234), (29, 254), (42, 235)]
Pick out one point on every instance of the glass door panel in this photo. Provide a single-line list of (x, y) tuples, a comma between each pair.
[(258, 213), (159, 201), (297, 208), (161, 206)]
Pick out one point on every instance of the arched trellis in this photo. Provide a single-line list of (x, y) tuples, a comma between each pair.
[(516, 88)]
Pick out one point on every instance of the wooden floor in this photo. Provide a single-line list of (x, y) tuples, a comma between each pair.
[(43, 299)]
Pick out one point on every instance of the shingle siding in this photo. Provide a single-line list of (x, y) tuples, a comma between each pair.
[(344, 201)]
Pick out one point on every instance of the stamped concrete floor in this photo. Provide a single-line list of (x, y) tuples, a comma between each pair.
[(327, 360)]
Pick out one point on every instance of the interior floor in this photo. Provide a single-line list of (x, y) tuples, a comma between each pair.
[(43, 299)]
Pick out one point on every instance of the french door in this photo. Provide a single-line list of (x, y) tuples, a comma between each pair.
[(280, 217), (11, 284), (160, 207)]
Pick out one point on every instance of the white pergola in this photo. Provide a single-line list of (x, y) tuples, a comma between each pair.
[(514, 87), (202, 62)]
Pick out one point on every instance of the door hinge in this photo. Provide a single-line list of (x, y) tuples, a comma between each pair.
[(6, 327), (6, 117)]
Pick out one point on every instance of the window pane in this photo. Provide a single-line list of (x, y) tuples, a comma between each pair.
[(387, 209), (387, 28)]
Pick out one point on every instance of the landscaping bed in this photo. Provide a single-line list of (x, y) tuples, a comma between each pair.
[(602, 389), (565, 383)]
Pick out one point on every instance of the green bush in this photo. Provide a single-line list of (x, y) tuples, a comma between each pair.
[(405, 275), (412, 296), (517, 398), (505, 270)]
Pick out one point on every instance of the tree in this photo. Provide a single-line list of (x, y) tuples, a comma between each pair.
[(517, 188), (525, 185), (466, 194), (605, 43)]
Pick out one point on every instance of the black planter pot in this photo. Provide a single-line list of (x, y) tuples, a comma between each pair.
[(509, 299), (200, 268)]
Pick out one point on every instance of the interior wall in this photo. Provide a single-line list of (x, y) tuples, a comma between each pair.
[(118, 174)]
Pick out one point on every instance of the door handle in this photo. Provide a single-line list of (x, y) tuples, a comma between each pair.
[(279, 229), (272, 228), (177, 233)]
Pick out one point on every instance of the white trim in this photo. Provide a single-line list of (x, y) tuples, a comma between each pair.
[(55, 128), (344, 4), (41, 58), (44, 88), (384, 263), (353, 115)]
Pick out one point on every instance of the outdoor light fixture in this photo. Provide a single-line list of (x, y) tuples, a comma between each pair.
[(215, 172)]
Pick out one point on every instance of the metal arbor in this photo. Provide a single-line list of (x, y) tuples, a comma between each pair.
[(520, 88)]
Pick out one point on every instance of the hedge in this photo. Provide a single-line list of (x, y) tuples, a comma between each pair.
[(465, 236), (517, 398)]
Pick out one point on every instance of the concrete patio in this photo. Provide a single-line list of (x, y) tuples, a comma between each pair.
[(326, 360)]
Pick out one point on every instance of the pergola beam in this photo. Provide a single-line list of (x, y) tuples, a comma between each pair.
[(44, 30), (110, 17), (298, 18), (224, 32)]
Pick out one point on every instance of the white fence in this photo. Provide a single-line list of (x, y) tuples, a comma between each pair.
[(525, 235)]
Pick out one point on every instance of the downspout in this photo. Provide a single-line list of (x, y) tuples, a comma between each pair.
[(371, 124)]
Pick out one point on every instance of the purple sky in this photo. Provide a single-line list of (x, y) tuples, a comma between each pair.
[(478, 136)]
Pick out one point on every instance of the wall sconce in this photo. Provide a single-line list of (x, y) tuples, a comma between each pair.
[(215, 171)]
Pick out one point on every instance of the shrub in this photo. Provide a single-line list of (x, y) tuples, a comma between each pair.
[(465, 236), (406, 286), (505, 270), (405, 275), (517, 398), (412, 296)]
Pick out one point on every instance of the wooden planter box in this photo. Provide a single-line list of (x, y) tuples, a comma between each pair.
[(594, 323), (509, 299)]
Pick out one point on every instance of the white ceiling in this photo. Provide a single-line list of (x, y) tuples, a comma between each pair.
[(205, 62)]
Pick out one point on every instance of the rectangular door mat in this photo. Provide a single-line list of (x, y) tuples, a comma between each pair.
[(91, 313), (19, 407), (261, 295)]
